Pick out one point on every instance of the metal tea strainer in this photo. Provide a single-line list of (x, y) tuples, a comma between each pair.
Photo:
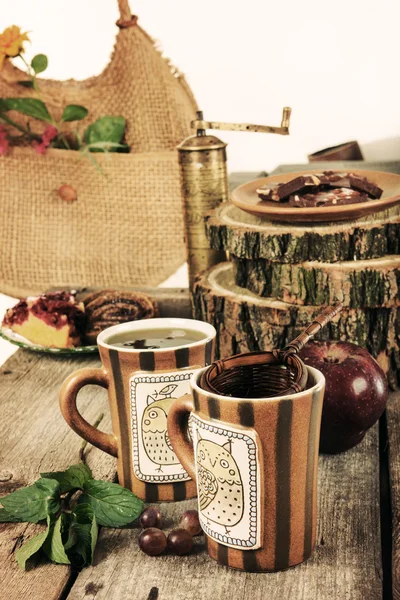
[(265, 374)]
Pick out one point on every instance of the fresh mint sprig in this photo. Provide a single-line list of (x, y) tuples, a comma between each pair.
[(74, 477), (73, 504)]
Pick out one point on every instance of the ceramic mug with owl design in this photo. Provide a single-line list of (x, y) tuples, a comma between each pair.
[(255, 462), (142, 384)]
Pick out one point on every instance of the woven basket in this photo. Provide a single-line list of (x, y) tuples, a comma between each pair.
[(126, 228)]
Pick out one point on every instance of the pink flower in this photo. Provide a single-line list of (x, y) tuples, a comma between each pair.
[(49, 134), (40, 148), (3, 141), (47, 137)]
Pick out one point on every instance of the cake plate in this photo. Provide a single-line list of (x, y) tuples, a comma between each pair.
[(19, 340)]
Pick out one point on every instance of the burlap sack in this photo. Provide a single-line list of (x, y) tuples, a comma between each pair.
[(126, 228)]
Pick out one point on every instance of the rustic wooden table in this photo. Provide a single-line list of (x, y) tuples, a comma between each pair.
[(358, 492), (358, 549)]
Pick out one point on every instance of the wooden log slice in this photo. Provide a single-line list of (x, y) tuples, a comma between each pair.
[(245, 322), (246, 236), (369, 283)]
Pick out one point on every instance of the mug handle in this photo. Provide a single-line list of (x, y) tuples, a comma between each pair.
[(178, 415), (68, 395)]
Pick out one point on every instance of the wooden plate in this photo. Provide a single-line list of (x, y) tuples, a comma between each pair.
[(246, 198)]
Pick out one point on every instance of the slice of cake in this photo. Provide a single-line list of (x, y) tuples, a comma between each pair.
[(55, 320)]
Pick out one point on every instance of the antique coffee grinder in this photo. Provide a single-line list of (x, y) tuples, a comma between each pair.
[(204, 182)]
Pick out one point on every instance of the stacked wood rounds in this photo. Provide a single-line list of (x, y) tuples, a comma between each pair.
[(280, 274)]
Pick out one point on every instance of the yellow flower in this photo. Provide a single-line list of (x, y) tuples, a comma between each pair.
[(11, 42)]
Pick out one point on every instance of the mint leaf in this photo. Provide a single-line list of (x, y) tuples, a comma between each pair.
[(82, 536), (53, 545), (5, 517), (33, 107), (113, 505), (73, 478), (83, 513), (32, 546), (35, 502), (94, 532), (39, 63), (105, 129), (71, 537), (74, 112)]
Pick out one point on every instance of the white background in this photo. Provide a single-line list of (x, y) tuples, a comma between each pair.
[(336, 64)]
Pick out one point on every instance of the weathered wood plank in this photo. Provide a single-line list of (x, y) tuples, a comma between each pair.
[(346, 563), (34, 437), (39, 440), (393, 425), (372, 283), (246, 236)]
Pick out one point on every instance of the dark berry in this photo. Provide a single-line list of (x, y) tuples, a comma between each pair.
[(151, 517), (152, 541), (190, 521), (180, 541)]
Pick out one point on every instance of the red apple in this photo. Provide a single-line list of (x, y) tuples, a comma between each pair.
[(355, 395)]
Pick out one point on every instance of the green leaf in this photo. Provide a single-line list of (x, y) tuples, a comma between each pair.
[(32, 546), (70, 535), (39, 63), (105, 129), (33, 107), (113, 505), (82, 537), (53, 545), (73, 478), (35, 502), (74, 112), (27, 83), (5, 517), (83, 513), (107, 147)]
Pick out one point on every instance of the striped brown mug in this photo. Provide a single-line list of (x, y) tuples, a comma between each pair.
[(255, 462), (145, 366)]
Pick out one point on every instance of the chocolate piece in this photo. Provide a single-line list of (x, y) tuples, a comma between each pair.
[(350, 180), (281, 191), (269, 192), (322, 189), (334, 197), (365, 185)]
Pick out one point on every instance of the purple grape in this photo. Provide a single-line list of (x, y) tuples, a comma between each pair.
[(180, 541), (151, 517), (152, 541), (190, 521)]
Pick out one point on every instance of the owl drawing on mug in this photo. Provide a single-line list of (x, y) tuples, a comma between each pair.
[(220, 486), (156, 440)]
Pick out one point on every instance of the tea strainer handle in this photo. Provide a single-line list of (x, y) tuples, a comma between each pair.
[(320, 321)]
